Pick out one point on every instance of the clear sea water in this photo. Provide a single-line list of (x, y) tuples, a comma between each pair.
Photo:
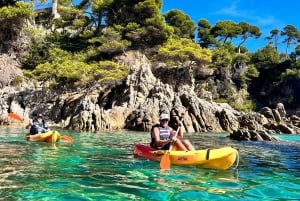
[(101, 166)]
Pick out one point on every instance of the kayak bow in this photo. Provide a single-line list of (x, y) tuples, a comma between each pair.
[(49, 136)]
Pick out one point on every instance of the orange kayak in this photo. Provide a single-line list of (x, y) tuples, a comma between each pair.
[(50, 137), (221, 158)]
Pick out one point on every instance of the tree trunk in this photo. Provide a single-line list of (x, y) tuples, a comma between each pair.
[(55, 14)]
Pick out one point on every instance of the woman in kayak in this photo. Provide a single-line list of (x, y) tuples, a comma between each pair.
[(162, 135), (37, 125)]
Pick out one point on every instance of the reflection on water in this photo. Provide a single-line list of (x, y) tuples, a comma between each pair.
[(101, 167)]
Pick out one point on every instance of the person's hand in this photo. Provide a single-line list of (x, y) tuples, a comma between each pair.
[(166, 141), (174, 139), (28, 126)]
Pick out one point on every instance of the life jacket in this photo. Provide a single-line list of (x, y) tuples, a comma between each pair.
[(164, 134), (34, 129)]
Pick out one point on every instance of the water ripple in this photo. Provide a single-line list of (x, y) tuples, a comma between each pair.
[(100, 166)]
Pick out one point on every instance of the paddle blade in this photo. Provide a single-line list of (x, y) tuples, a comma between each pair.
[(165, 162), (66, 138), (15, 116)]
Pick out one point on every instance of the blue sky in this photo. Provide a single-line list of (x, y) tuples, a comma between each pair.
[(265, 14)]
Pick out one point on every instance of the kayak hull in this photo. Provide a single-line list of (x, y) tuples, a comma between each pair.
[(50, 137), (221, 158)]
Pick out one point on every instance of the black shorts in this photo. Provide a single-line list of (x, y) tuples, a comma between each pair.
[(165, 147)]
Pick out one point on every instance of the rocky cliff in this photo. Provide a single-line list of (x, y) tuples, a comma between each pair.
[(136, 102)]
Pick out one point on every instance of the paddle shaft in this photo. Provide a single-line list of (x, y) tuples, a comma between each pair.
[(172, 143), (41, 127), (180, 121)]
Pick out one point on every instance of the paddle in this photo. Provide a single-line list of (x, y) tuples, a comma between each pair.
[(66, 138), (15, 116), (165, 162)]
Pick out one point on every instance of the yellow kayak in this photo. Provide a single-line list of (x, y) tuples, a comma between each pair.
[(221, 158), (50, 137)]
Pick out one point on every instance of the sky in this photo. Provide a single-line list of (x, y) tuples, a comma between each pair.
[(265, 14)]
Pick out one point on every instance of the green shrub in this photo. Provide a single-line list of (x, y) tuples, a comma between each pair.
[(248, 106), (17, 80)]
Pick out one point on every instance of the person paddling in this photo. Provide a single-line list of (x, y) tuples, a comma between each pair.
[(162, 135), (37, 125)]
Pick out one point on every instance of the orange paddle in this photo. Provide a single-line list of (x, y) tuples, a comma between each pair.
[(165, 162), (66, 138), (15, 116)]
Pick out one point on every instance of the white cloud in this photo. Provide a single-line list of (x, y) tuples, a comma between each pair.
[(251, 16)]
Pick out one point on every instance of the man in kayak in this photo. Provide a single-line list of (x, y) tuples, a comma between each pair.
[(162, 136), (37, 125)]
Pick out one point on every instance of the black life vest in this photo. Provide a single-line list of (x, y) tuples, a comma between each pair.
[(34, 128)]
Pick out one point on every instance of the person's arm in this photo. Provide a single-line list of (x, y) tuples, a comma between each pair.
[(158, 141), (29, 124)]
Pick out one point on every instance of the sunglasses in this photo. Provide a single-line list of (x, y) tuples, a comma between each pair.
[(165, 120)]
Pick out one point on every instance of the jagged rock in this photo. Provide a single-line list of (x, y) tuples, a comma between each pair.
[(136, 102), (241, 134), (260, 118), (4, 120), (244, 134), (8, 70), (295, 120), (276, 115), (255, 136), (283, 128), (267, 112), (265, 136), (247, 121), (280, 108), (279, 128)]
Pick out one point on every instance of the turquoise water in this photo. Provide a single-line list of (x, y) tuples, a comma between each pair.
[(101, 167)]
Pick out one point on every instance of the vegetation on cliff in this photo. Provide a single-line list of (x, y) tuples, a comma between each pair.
[(75, 46)]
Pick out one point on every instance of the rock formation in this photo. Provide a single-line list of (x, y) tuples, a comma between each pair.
[(136, 102)]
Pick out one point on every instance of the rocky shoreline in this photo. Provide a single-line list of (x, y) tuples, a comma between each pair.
[(136, 102)]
